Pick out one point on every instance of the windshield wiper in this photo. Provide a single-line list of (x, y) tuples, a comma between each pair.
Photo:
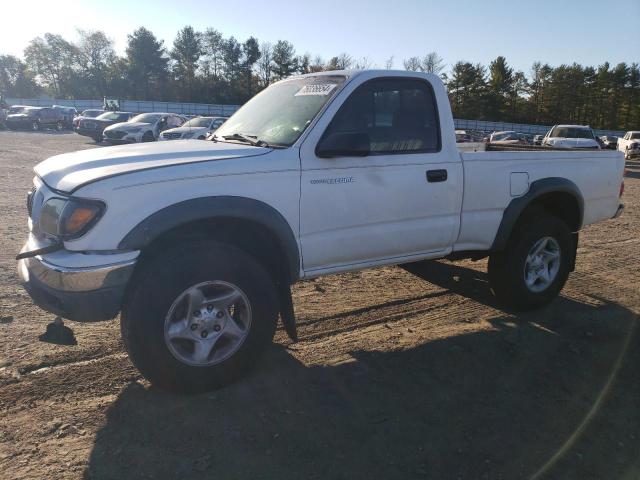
[(250, 139)]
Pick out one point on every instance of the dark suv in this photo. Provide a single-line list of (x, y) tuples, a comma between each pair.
[(93, 127), (36, 118)]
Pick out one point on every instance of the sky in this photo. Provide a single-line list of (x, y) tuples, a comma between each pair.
[(589, 32)]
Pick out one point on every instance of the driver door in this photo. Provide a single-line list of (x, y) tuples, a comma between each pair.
[(400, 203)]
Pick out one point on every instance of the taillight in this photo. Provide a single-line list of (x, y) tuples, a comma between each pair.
[(621, 189)]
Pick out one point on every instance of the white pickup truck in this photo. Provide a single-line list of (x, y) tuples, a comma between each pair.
[(196, 244), (629, 144)]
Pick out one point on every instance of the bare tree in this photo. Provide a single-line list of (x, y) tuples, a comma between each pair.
[(432, 63), (317, 65), (388, 64), (412, 64), (362, 64), (264, 63)]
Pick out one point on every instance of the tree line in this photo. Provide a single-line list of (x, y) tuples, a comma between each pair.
[(206, 67)]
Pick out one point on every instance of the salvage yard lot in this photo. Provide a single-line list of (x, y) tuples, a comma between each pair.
[(399, 373)]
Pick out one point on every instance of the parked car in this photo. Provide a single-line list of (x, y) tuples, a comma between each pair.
[(36, 118), (537, 139), (93, 127), (90, 113), (508, 138), (630, 144), (68, 114), (145, 127), (610, 142), (198, 243), (571, 136), (198, 128), (16, 109), (463, 137)]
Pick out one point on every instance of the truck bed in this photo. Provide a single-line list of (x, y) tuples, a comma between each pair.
[(510, 173)]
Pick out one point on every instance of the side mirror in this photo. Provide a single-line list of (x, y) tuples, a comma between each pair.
[(344, 144)]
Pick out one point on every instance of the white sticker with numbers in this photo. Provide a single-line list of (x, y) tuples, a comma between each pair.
[(316, 89)]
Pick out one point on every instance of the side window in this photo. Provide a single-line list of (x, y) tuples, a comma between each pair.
[(398, 115), (173, 122)]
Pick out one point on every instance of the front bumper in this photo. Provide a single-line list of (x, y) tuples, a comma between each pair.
[(89, 132), (18, 124), (82, 293)]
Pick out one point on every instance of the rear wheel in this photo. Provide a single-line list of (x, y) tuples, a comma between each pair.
[(97, 138), (59, 126), (148, 137), (535, 265), (35, 125), (198, 316)]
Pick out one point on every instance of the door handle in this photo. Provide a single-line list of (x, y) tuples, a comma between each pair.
[(436, 176)]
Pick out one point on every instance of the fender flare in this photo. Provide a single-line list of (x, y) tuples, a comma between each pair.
[(222, 207), (538, 188)]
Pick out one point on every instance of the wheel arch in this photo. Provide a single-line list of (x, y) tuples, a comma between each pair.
[(221, 217), (557, 196)]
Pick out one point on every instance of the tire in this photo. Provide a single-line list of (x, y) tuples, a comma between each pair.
[(35, 125), (156, 287), (148, 137), (97, 138), (507, 269), (201, 137), (59, 126)]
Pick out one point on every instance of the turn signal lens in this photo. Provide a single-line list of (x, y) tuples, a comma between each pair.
[(80, 217)]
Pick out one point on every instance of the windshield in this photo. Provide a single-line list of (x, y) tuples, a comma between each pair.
[(571, 132), (147, 117), (198, 122), (113, 116), (91, 113), (279, 114), (496, 137)]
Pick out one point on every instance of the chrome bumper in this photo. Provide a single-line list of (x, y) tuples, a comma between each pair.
[(68, 279), (74, 290)]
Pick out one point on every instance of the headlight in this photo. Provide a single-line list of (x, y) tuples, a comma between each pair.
[(70, 218)]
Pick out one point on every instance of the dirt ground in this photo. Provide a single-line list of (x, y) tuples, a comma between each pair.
[(398, 374)]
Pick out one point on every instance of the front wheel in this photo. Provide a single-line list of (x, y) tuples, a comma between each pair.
[(535, 265), (35, 125), (198, 316)]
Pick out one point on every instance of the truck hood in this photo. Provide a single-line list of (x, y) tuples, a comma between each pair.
[(69, 171)]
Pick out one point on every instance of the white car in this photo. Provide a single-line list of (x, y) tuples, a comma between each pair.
[(630, 144), (198, 128), (145, 127), (198, 243), (571, 136)]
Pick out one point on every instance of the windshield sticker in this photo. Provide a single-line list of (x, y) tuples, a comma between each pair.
[(316, 89)]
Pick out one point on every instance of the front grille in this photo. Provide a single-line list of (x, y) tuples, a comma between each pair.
[(172, 135), (30, 196), (115, 134)]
